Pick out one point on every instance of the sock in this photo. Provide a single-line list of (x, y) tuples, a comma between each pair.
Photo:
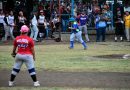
[(87, 39), (71, 44), (121, 38), (12, 77), (84, 45), (115, 38), (34, 78)]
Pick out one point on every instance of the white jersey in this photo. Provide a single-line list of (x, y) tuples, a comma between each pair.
[(55, 20), (41, 19), (2, 18), (34, 20), (11, 20)]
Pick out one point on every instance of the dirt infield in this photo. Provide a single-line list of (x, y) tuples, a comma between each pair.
[(70, 79), (113, 56)]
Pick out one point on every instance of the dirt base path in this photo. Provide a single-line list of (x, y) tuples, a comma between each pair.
[(70, 79)]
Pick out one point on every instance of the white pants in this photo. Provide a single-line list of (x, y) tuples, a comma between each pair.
[(34, 32), (8, 32), (20, 59), (11, 28), (6, 28), (84, 27), (77, 35)]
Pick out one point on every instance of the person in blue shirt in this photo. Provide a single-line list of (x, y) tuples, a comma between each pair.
[(83, 19), (100, 27), (75, 32)]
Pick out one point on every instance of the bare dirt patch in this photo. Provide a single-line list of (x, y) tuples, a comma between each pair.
[(113, 56), (70, 79)]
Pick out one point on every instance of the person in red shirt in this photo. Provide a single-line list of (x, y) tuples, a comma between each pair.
[(23, 52)]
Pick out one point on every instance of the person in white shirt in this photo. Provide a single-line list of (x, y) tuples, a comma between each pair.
[(41, 23), (34, 28), (11, 22), (6, 26), (1, 24), (55, 24), (21, 20)]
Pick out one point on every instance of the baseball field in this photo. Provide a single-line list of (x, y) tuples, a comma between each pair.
[(103, 66)]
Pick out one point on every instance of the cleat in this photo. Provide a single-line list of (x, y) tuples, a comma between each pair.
[(85, 48), (115, 40), (36, 84), (11, 84), (70, 47)]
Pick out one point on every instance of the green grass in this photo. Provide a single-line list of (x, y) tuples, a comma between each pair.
[(60, 58)]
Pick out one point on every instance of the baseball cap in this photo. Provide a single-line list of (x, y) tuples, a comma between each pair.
[(24, 29), (71, 19)]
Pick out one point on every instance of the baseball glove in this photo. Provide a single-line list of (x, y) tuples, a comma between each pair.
[(13, 55)]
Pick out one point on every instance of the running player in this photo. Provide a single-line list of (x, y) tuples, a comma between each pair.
[(75, 32)]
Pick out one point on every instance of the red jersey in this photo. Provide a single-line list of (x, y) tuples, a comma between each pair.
[(24, 44)]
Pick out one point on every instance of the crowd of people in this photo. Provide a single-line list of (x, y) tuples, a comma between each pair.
[(49, 17)]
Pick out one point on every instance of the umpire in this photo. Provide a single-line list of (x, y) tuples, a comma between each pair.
[(25, 54)]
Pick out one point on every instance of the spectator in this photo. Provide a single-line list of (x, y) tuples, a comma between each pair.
[(127, 25), (101, 27), (6, 27), (34, 28), (21, 20), (41, 23), (11, 22), (55, 25), (47, 28), (2, 24), (47, 13), (64, 18), (109, 16), (119, 28)]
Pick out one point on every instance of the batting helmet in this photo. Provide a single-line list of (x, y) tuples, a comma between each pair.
[(24, 29), (71, 19)]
